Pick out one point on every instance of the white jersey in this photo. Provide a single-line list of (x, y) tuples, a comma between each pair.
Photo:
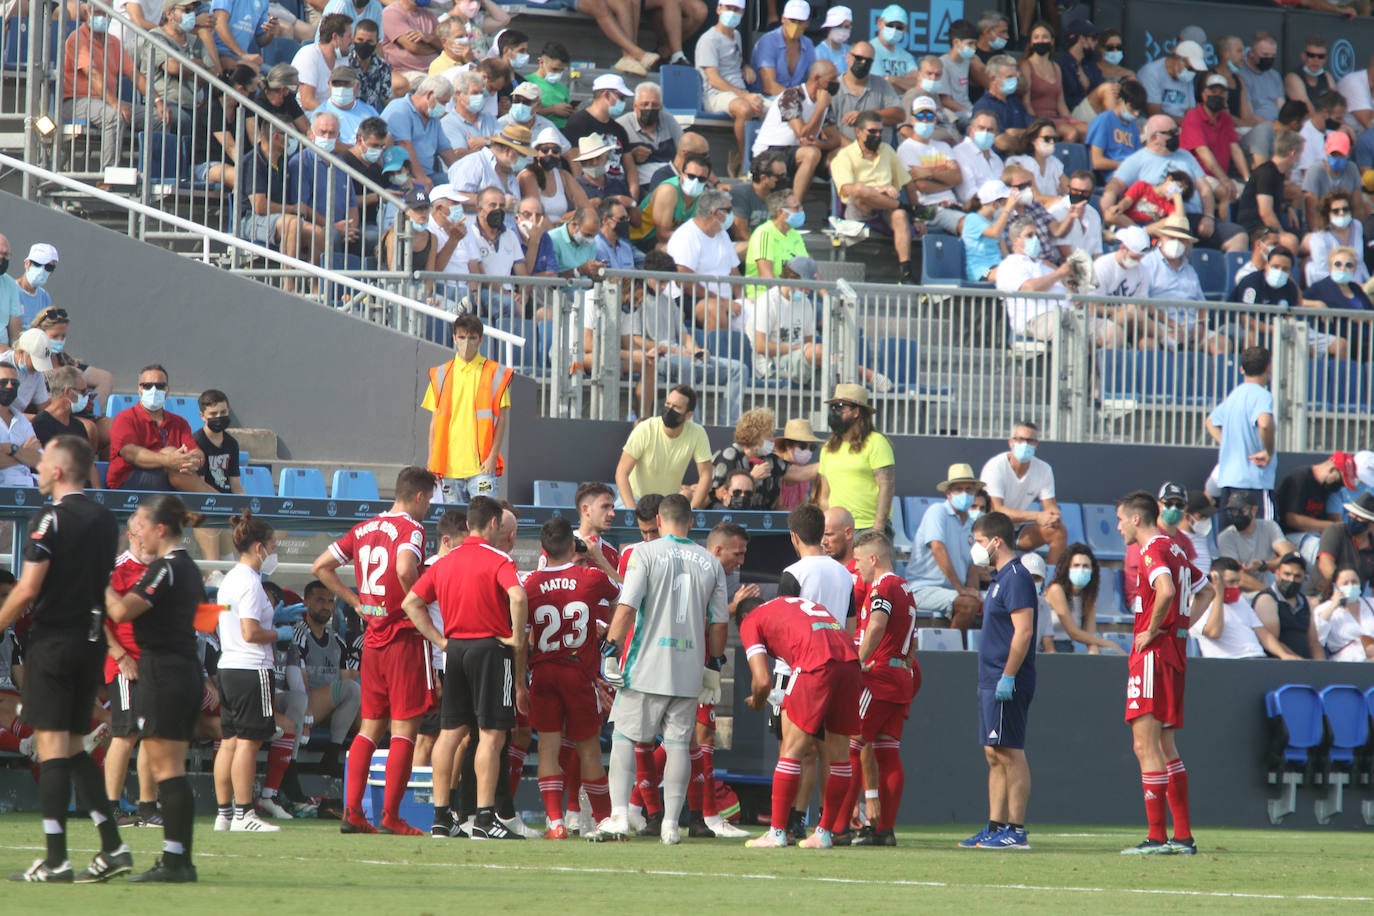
[(242, 595), (824, 581)]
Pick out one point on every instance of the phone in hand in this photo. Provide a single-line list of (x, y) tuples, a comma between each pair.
[(574, 102)]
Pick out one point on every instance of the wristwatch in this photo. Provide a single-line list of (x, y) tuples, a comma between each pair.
[(14, 449)]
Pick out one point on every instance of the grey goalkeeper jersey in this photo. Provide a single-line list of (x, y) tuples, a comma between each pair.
[(676, 588)]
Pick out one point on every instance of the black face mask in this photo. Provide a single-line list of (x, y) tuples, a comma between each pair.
[(1078, 197), (7, 395), (671, 418), (4, 265), (363, 49), (1171, 144), (739, 501), (838, 424), (860, 68), (649, 117), (1242, 520), (1333, 124), (1043, 48), (217, 424), (622, 227), (496, 219), (1264, 63), (548, 163), (1288, 589), (1215, 102), (872, 142), (832, 87)]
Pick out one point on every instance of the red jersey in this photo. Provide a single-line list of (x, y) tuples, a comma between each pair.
[(802, 633), (470, 583), (613, 558), (565, 604), (1163, 557), (128, 569), (860, 589), (890, 595), (625, 558), (374, 547)]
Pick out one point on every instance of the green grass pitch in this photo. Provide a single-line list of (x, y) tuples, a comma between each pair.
[(310, 868)]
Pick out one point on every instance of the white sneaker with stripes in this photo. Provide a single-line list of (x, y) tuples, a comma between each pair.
[(251, 822)]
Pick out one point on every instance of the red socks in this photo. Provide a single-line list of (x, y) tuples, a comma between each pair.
[(599, 794), (571, 765), (1155, 786), (278, 759), (1178, 799), (695, 785), (646, 777), (856, 780), (834, 815), (891, 781), (786, 779), (397, 775), (551, 790), (709, 807), (359, 762), (515, 758)]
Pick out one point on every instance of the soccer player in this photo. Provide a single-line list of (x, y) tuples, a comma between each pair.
[(821, 705), (567, 601), (891, 678), (485, 611), (1167, 588), (246, 637), (397, 679), (1006, 683), (67, 564), (838, 543), (673, 589), (648, 768), (163, 608), (596, 515), (823, 580), (335, 697)]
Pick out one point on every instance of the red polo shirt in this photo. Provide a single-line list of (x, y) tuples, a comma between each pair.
[(1198, 130), (470, 584), (136, 426)]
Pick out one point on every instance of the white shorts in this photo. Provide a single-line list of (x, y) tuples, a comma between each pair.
[(641, 716), (935, 599), (793, 366), (717, 102)]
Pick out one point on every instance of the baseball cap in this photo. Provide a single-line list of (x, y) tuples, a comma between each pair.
[(612, 81), (526, 90), (444, 192), (39, 347), (923, 103), (837, 15), (893, 13), (416, 198), (1338, 142), (1345, 463), (1191, 52), (1216, 79), (1034, 563), (1240, 500), (1172, 492), (992, 190), (804, 267), (342, 76), (42, 253), (1200, 504), (1133, 238), (394, 159), (1078, 27), (798, 10)]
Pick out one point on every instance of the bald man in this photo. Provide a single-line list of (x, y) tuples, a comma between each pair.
[(838, 543)]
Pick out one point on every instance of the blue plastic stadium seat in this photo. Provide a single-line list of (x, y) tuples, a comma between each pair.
[(16, 49), (1211, 272), (914, 509), (118, 403), (187, 408), (555, 494), (682, 92), (1338, 384), (354, 485), (1099, 524), (302, 483), (101, 467), (1295, 744), (929, 639), (164, 158), (1074, 156), (256, 480), (942, 260), (1234, 260), (1347, 720), (901, 541), (897, 360), (244, 458), (1111, 606)]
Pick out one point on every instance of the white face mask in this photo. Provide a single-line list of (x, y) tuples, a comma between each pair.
[(269, 565), (1130, 262), (764, 449), (1202, 527), (1172, 248), (980, 555)]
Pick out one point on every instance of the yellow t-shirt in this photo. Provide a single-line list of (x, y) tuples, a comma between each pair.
[(463, 460), (850, 476), (884, 170), (661, 462)]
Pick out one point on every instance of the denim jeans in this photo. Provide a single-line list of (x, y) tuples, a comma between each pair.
[(460, 490)]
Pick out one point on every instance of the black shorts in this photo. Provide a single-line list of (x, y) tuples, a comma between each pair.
[(429, 722), (789, 156), (246, 703), (62, 676), (167, 696), (479, 684), (123, 718)]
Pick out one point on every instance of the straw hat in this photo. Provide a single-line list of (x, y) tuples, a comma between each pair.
[(959, 473), (855, 394)]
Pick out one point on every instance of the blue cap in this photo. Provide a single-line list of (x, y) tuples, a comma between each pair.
[(394, 159), (893, 13)]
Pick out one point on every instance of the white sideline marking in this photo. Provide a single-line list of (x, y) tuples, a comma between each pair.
[(747, 876)]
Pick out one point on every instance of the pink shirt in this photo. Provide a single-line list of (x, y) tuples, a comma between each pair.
[(397, 21)]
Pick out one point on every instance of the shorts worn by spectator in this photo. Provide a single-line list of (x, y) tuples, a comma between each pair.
[(702, 246), (344, 103), (1016, 480), (374, 73), (860, 91), (857, 462), (944, 580), (412, 38), (935, 174), (751, 454), (659, 450), (465, 452), (653, 132), (150, 448), (797, 124), (977, 160), (262, 190), (869, 179), (725, 76), (1168, 80), (414, 123), (782, 330)]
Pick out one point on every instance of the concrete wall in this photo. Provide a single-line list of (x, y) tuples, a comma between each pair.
[(333, 387), (1083, 770)]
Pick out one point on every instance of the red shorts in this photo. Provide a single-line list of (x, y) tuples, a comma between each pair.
[(881, 717), (706, 715), (825, 701), (522, 720), (398, 679), (562, 699), (1155, 688)]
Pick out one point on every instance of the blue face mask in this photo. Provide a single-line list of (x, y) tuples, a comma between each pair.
[(799, 296), (924, 129), (521, 113), (1342, 276), (961, 502), (728, 221), (1009, 85), (967, 52), (80, 403), (983, 139), (520, 61), (418, 225), (1232, 65), (188, 22), (36, 276), (997, 43), (373, 154), (1033, 247), (1023, 451), (796, 219), (731, 19), (325, 144), (617, 108), (100, 24), (975, 514), (1079, 578), (889, 35), (1114, 57), (57, 346), (152, 398), (1336, 163), (476, 100), (341, 95)]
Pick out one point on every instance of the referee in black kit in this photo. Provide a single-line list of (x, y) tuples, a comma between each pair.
[(67, 563)]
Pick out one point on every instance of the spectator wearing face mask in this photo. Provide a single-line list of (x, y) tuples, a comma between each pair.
[(70, 396), (1254, 543), (1229, 628), (782, 57), (1003, 99), (977, 160), (1071, 597), (838, 25), (374, 73), (1121, 274), (31, 357), (944, 581), (524, 100), (1345, 619), (751, 454), (343, 102), (934, 171), (499, 165), (1334, 175), (1348, 544), (412, 37), (574, 245), (797, 446), (19, 448), (547, 178), (39, 267), (1197, 525), (656, 456), (1284, 610), (152, 449)]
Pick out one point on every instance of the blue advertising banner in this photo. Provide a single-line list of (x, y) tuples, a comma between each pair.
[(927, 23)]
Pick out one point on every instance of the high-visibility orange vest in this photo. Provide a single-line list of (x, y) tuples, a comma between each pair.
[(491, 388)]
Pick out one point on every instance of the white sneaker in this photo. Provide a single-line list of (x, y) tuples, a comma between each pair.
[(469, 823), (723, 828), (96, 737), (29, 748), (573, 821), (615, 827), (518, 826), (270, 807), (636, 819), (251, 822), (671, 834), (223, 823)]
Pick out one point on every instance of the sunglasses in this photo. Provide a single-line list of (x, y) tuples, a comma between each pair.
[(1019, 187), (1315, 55), (925, 116), (160, 386), (9, 383), (1116, 47), (49, 267), (1348, 265), (1335, 211), (861, 60)]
